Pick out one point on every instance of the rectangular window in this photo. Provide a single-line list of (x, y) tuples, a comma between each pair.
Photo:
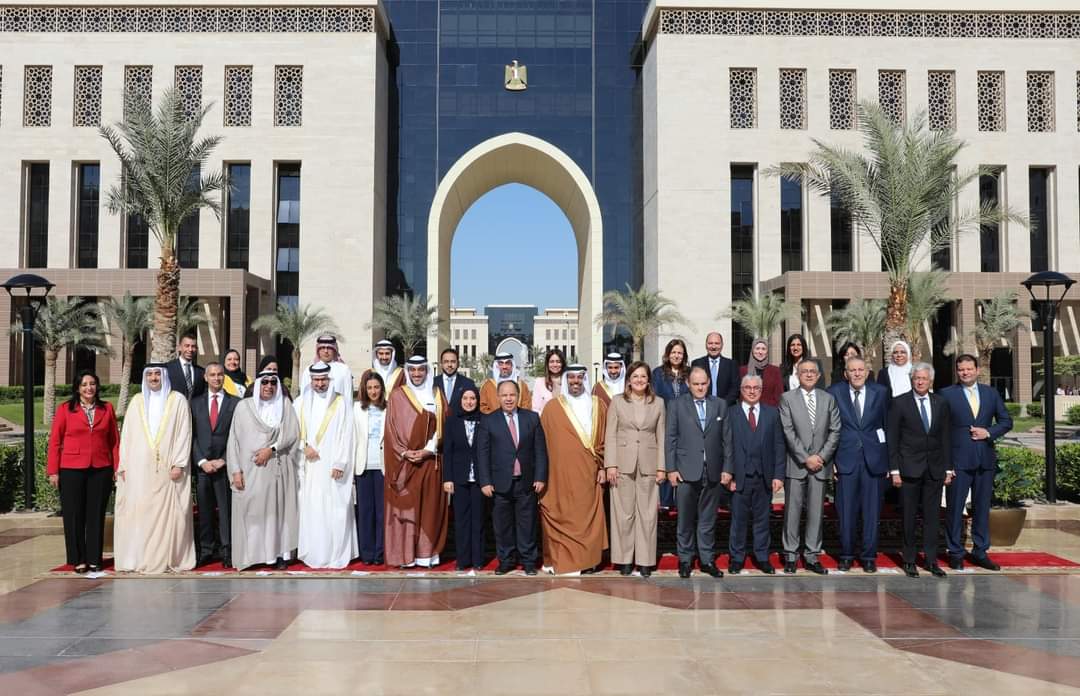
[(791, 235), (742, 83), (842, 236), (188, 82), (287, 222), (138, 83), (237, 111), (37, 215), (742, 247), (991, 100), (474, 334), (86, 212), (842, 102), (941, 93), (137, 242), (990, 233), (793, 98), (87, 107), (37, 96), (1039, 212), (288, 95), (187, 237), (1040, 102), (238, 222), (892, 94)]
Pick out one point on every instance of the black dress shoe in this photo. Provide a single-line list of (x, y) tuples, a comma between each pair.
[(910, 570), (711, 570), (844, 564), (734, 568), (956, 562), (226, 561), (935, 570), (281, 564), (816, 567), (869, 566), (205, 560), (81, 568), (765, 567), (684, 570), (626, 569), (789, 567), (93, 568), (504, 568), (378, 561), (645, 571), (530, 570), (985, 563)]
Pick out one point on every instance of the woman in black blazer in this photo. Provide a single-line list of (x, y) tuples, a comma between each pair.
[(459, 479)]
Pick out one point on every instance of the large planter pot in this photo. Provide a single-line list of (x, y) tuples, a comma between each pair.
[(107, 545), (1006, 525)]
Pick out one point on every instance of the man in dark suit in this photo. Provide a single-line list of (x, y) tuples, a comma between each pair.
[(694, 454), (862, 461), (978, 419), (512, 468), (184, 375), (450, 382), (723, 372), (211, 418), (920, 457), (754, 459)]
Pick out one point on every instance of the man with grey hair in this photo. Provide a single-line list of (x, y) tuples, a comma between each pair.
[(811, 422), (920, 463)]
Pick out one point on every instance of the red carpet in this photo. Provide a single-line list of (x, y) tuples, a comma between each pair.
[(1006, 559)]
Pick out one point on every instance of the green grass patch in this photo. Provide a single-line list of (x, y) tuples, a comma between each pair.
[(13, 411)]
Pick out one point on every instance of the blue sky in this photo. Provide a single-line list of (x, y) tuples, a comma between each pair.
[(518, 224)]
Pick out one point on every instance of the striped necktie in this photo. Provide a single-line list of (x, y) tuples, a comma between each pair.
[(811, 409)]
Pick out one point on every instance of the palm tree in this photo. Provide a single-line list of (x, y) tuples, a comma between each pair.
[(159, 153), (641, 312), (998, 318), (296, 325), (862, 322), (405, 318), (926, 295), (760, 316), (64, 322), (900, 193), (131, 318), (190, 316)]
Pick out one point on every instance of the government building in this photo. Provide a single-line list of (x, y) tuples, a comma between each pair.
[(357, 134)]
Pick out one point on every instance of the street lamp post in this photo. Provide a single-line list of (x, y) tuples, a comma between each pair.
[(36, 289), (1044, 283)]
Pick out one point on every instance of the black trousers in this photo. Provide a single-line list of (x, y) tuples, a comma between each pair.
[(370, 507), (915, 490), (514, 517), (212, 491), (468, 504), (84, 495)]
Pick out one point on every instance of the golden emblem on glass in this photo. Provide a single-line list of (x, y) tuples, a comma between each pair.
[(516, 77)]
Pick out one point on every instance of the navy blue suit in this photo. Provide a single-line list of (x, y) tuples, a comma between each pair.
[(461, 383), (514, 510), (862, 466), (754, 458), (975, 463), (459, 466)]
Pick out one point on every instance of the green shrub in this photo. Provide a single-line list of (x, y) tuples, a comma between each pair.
[(1020, 476), (1068, 471), (1072, 415), (1035, 409), (1014, 409), (11, 477), (63, 391)]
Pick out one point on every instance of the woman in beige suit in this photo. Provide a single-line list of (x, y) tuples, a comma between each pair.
[(634, 463)]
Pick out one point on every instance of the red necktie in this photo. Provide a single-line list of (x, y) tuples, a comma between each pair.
[(514, 436), (213, 411), (753, 419)]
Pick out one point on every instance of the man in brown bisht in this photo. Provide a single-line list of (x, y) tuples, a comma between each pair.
[(503, 370), (612, 379), (572, 508), (416, 508)]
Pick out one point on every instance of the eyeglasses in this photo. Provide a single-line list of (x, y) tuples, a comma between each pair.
[(754, 388), (269, 381)]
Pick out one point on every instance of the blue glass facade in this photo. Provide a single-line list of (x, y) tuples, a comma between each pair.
[(447, 96)]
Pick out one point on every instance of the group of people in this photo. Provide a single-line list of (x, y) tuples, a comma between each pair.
[(569, 472)]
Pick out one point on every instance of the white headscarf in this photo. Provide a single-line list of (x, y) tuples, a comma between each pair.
[(269, 411), (900, 375), (581, 405), (155, 401), (316, 403), (616, 386), (384, 372), (425, 393), (495, 370)]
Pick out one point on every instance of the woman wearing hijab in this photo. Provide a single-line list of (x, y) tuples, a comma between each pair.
[(772, 384), (896, 376), (236, 382), (459, 479), (797, 349), (846, 351)]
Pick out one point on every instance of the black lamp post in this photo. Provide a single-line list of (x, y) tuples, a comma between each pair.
[(35, 289), (1043, 289)]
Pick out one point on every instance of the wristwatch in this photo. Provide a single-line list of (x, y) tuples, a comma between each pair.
[(273, 449)]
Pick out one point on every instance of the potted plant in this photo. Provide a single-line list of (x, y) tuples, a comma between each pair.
[(1018, 478)]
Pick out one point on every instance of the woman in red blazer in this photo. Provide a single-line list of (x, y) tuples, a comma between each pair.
[(772, 382), (83, 453)]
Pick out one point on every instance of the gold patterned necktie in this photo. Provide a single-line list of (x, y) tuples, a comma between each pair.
[(973, 400)]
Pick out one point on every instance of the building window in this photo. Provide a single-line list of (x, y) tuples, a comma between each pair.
[(743, 86), (892, 95), (37, 215), (989, 233), (793, 99), (573, 334), (742, 247), (564, 334), (842, 101), (791, 234), (473, 335), (288, 95), (37, 96), (941, 94), (238, 230), (188, 80), (86, 212), (137, 242), (138, 85), (547, 334), (991, 98), (87, 110), (842, 235), (1039, 213), (287, 267), (237, 95), (187, 237), (1040, 102), (457, 334)]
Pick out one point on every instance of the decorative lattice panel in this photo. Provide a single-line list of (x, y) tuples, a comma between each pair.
[(238, 95), (941, 95), (743, 86), (288, 95), (37, 96), (1040, 102), (87, 110), (991, 97), (188, 81), (892, 94), (202, 19), (842, 100), (138, 85), (792, 98)]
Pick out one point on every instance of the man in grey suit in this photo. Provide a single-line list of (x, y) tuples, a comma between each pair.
[(811, 422), (695, 456)]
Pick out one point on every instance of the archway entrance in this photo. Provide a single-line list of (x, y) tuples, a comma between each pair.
[(522, 159)]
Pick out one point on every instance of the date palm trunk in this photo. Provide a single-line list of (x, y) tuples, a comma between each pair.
[(295, 390), (51, 357), (166, 298), (125, 379), (895, 317)]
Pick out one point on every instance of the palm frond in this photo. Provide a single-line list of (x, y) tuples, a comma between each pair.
[(68, 322), (760, 316), (295, 324), (405, 318)]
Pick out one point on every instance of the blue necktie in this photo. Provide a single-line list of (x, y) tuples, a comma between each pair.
[(701, 414), (924, 414)]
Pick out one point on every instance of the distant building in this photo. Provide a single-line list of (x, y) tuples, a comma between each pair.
[(468, 332), (509, 321), (474, 334), (557, 328)]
